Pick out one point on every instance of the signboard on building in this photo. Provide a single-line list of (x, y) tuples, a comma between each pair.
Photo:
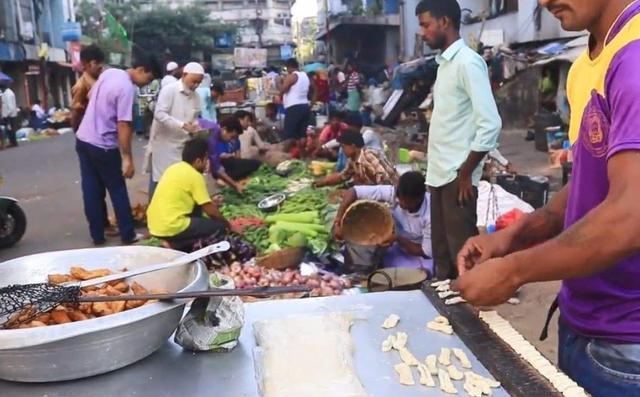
[(492, 37), (286, 51), (250, 57), (222, 61)]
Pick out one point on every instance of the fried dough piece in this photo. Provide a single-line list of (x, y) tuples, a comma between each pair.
[(77, 315), (84, 274), (37, 324), (111, 291), (117, 306), (60, 317), (138, 289), (133, 304), (101, 309), (121, 286), (59, 278)]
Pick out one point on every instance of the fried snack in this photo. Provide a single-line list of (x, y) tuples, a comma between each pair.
[(77, 315), (117, 306), (84, 274), (35, 323), (122, 287), (138, 289), (90, 288), (133, 304), (111, 291), (101, 309), (60, 317), (43, 318), (59, 278)]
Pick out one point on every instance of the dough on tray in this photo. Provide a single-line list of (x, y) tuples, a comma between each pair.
[(445, 356), (425, 376), (307, 355), (462, 357), (401, 340), (408, 358), (404, 371), (391, 321)]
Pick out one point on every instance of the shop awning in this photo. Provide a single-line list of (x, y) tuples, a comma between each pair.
[(573, 49)]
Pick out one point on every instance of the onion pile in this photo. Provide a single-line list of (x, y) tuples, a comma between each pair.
[(251, 276)]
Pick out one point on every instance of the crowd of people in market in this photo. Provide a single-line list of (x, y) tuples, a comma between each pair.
[(434, 214)]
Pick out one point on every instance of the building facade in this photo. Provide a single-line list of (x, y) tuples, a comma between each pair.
[(32, 51)]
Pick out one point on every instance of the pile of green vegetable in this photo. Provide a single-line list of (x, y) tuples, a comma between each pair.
[(303, 229)]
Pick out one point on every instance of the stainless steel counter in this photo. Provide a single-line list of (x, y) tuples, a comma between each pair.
[(172, 372)]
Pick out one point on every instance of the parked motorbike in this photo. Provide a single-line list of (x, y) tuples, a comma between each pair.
[(13, 221)]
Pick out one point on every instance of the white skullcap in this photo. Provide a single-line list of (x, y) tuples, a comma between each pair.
[(171, 66), (193, 68)]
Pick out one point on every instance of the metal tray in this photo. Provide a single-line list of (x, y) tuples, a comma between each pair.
[(81, 349)]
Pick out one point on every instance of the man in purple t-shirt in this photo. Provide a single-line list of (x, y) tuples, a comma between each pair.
[(228, 130), (103, 145), (587, 235)]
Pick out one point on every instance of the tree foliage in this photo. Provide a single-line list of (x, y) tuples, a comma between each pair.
[(181, 30)]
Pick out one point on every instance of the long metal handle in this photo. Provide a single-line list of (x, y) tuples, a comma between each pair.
[(262, 291), (182, 260)]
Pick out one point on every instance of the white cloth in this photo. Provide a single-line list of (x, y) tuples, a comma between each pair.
[(176, 105), (248, 140), (9, 105), (500, 200), (39, 111), (167, 80), (298, 94), (415, 227)]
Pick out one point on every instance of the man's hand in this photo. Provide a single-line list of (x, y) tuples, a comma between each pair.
[(465, 188), (238, 188), (480, 249), (388, 242), (488, 284), (218, 200), (191, 127), (128, 170)]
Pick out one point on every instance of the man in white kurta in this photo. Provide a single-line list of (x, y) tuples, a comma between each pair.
[(174, 121)]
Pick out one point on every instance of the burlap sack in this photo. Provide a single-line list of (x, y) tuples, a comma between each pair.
[(367, 222)]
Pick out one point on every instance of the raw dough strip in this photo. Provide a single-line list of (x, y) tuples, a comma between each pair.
[(445, 382), (431, 362), (439, 327), (445, 356), (443, 288), (405, 374), (454, 301), (454, 373), (462, 357), (425, 376), (446, 294), (441, 320), (387, 344), (528, 352), (439, 283), (408, 358), (391, 321), (401, 340)]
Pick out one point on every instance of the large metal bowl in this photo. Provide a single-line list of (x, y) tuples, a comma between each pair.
[(91, 347)]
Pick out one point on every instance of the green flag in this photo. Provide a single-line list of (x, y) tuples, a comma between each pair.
[(116, 31)]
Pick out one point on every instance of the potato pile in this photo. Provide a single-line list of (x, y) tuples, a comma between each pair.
[(67, 313), (251, 276)]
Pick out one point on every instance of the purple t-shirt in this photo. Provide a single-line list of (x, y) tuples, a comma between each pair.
[(213, 141), (111, 100), (605, 305)]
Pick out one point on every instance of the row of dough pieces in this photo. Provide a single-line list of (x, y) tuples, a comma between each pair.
[(475, 385), (443, 288), (528, 352)]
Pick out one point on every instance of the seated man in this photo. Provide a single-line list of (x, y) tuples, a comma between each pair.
[(366, 166), (251, 144), (270, 128), (370, 137), (225, 165), (175, 212), (410, 203)]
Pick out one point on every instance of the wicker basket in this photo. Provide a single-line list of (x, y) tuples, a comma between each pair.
[(367, 222), (283, 259)]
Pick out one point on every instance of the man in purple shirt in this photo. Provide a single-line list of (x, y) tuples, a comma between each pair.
[(103, 145), (228, 130), (588, 234)]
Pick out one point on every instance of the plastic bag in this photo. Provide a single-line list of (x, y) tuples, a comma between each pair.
[(212, 324)]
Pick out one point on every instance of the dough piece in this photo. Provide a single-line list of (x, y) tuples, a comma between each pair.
[(443, 288), (407, 357), (472, 390), (445, 356), (462, 357), (445, 382), (404, 371), (575, 391), (439, 327), (387, 344), (513, 301), (431, 364), (391, 321), (425, 376), (284, 346), (439, 283), (454, 301), (454, 373), (441, 320), (401, 340), (447, 294)]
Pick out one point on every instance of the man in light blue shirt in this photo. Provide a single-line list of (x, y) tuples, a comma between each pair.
[(465, 126)]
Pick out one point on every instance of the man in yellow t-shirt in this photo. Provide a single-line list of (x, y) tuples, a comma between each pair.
[(175, 212)]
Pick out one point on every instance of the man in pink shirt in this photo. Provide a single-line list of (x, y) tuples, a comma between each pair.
[(331, 132), (104, 146)]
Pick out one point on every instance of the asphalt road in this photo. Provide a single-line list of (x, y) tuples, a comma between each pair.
[(45, 177)]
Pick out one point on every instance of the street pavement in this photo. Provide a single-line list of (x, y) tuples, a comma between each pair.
[(45, 177)]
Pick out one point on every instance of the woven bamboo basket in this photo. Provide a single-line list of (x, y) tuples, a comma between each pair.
[(367, 222), (283, 259)]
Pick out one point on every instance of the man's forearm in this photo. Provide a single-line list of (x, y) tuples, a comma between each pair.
[(226, 178), (410, 247), (349, 198), (124, 138), (601, 239), (471, 163), (76, 118)]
